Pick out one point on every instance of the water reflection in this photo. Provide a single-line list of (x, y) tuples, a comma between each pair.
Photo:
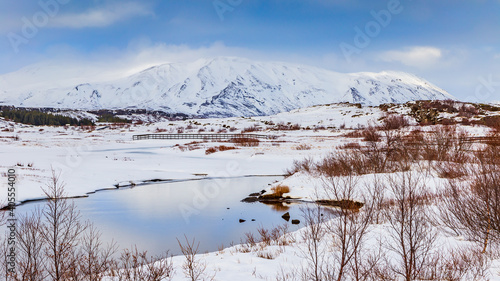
[(153, 216)]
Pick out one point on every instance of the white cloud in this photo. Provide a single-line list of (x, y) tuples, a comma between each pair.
[(100, 17), (415, 56)]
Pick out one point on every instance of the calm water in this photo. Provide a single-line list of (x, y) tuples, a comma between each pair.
[(153, 216)]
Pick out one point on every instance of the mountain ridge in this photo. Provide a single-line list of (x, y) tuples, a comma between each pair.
[(228, 86)]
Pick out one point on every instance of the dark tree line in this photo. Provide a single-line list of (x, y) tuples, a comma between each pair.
[(37, 118)]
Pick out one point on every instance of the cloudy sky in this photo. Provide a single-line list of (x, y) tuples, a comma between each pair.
[(452, 43)]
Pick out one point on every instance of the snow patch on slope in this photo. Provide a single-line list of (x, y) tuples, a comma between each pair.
[(219, 87)]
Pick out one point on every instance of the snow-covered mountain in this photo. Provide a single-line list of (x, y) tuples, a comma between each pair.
[(221, 87)]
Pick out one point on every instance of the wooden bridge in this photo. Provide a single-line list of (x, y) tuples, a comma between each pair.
[(198, 136)]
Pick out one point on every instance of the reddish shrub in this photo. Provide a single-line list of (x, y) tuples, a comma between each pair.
[(248, 142), (394, 122)]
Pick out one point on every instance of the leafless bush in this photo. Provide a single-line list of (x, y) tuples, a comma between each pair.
[(214, 149), (60, 230), (31, 259), (394, 122), (411, 236), (376, 196), (247, 142), (472, 208), (351, 145), (193, 268), (315, 252), (341, 164), (265, 235), (286, 274), (371, 134), (354, 134), (468, 111), (250, 239), (451, 170), (135, 265), (95, 259), (350, 227), (281, 126), (253, 128), (303, 147), (462, 263), (304, 165), (492, 122)]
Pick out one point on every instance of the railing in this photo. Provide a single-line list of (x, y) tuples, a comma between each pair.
[(198, 136)]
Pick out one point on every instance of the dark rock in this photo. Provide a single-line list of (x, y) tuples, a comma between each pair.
[(295, 221), (262, 191), (286, 216), (250, 199), (242, 220), (254, 194), (253, 219)]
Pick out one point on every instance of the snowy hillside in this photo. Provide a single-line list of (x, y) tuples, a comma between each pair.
[(217, 88)]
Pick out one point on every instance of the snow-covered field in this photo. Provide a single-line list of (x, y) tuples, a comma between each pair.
[(106, 157), (102, 158)]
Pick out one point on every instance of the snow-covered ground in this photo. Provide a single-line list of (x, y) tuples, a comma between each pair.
[(93, 159), (106, 156)]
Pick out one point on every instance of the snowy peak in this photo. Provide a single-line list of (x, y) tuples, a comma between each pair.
[(228, 87)]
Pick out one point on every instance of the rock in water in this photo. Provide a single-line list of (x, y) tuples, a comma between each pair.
[(286, 216)]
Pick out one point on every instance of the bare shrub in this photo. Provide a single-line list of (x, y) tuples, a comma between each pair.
[(467, 110), (210, 150), (351, 145), (60, 231), (31, 259), (247, 142), (214, 149), (462, 263), (349, 228), (193, 268), (354, 134), (95, 259), (135, 265), (303, 147), (394, 122), (340, 164), (450, 170), (492, 122), (265, 235), (376, 196), (411, 237), (250, 239), (472, 208), (370, 134), (286, 275), (304, 165), (315, 252), (253, 128)]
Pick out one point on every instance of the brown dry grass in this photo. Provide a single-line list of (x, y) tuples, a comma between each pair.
[(279, 190), (218, 148), (246, 142)]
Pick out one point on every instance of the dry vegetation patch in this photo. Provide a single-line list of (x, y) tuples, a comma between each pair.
[(218, 148)]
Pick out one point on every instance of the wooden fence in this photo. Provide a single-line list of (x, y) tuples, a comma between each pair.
[(198, 136)]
